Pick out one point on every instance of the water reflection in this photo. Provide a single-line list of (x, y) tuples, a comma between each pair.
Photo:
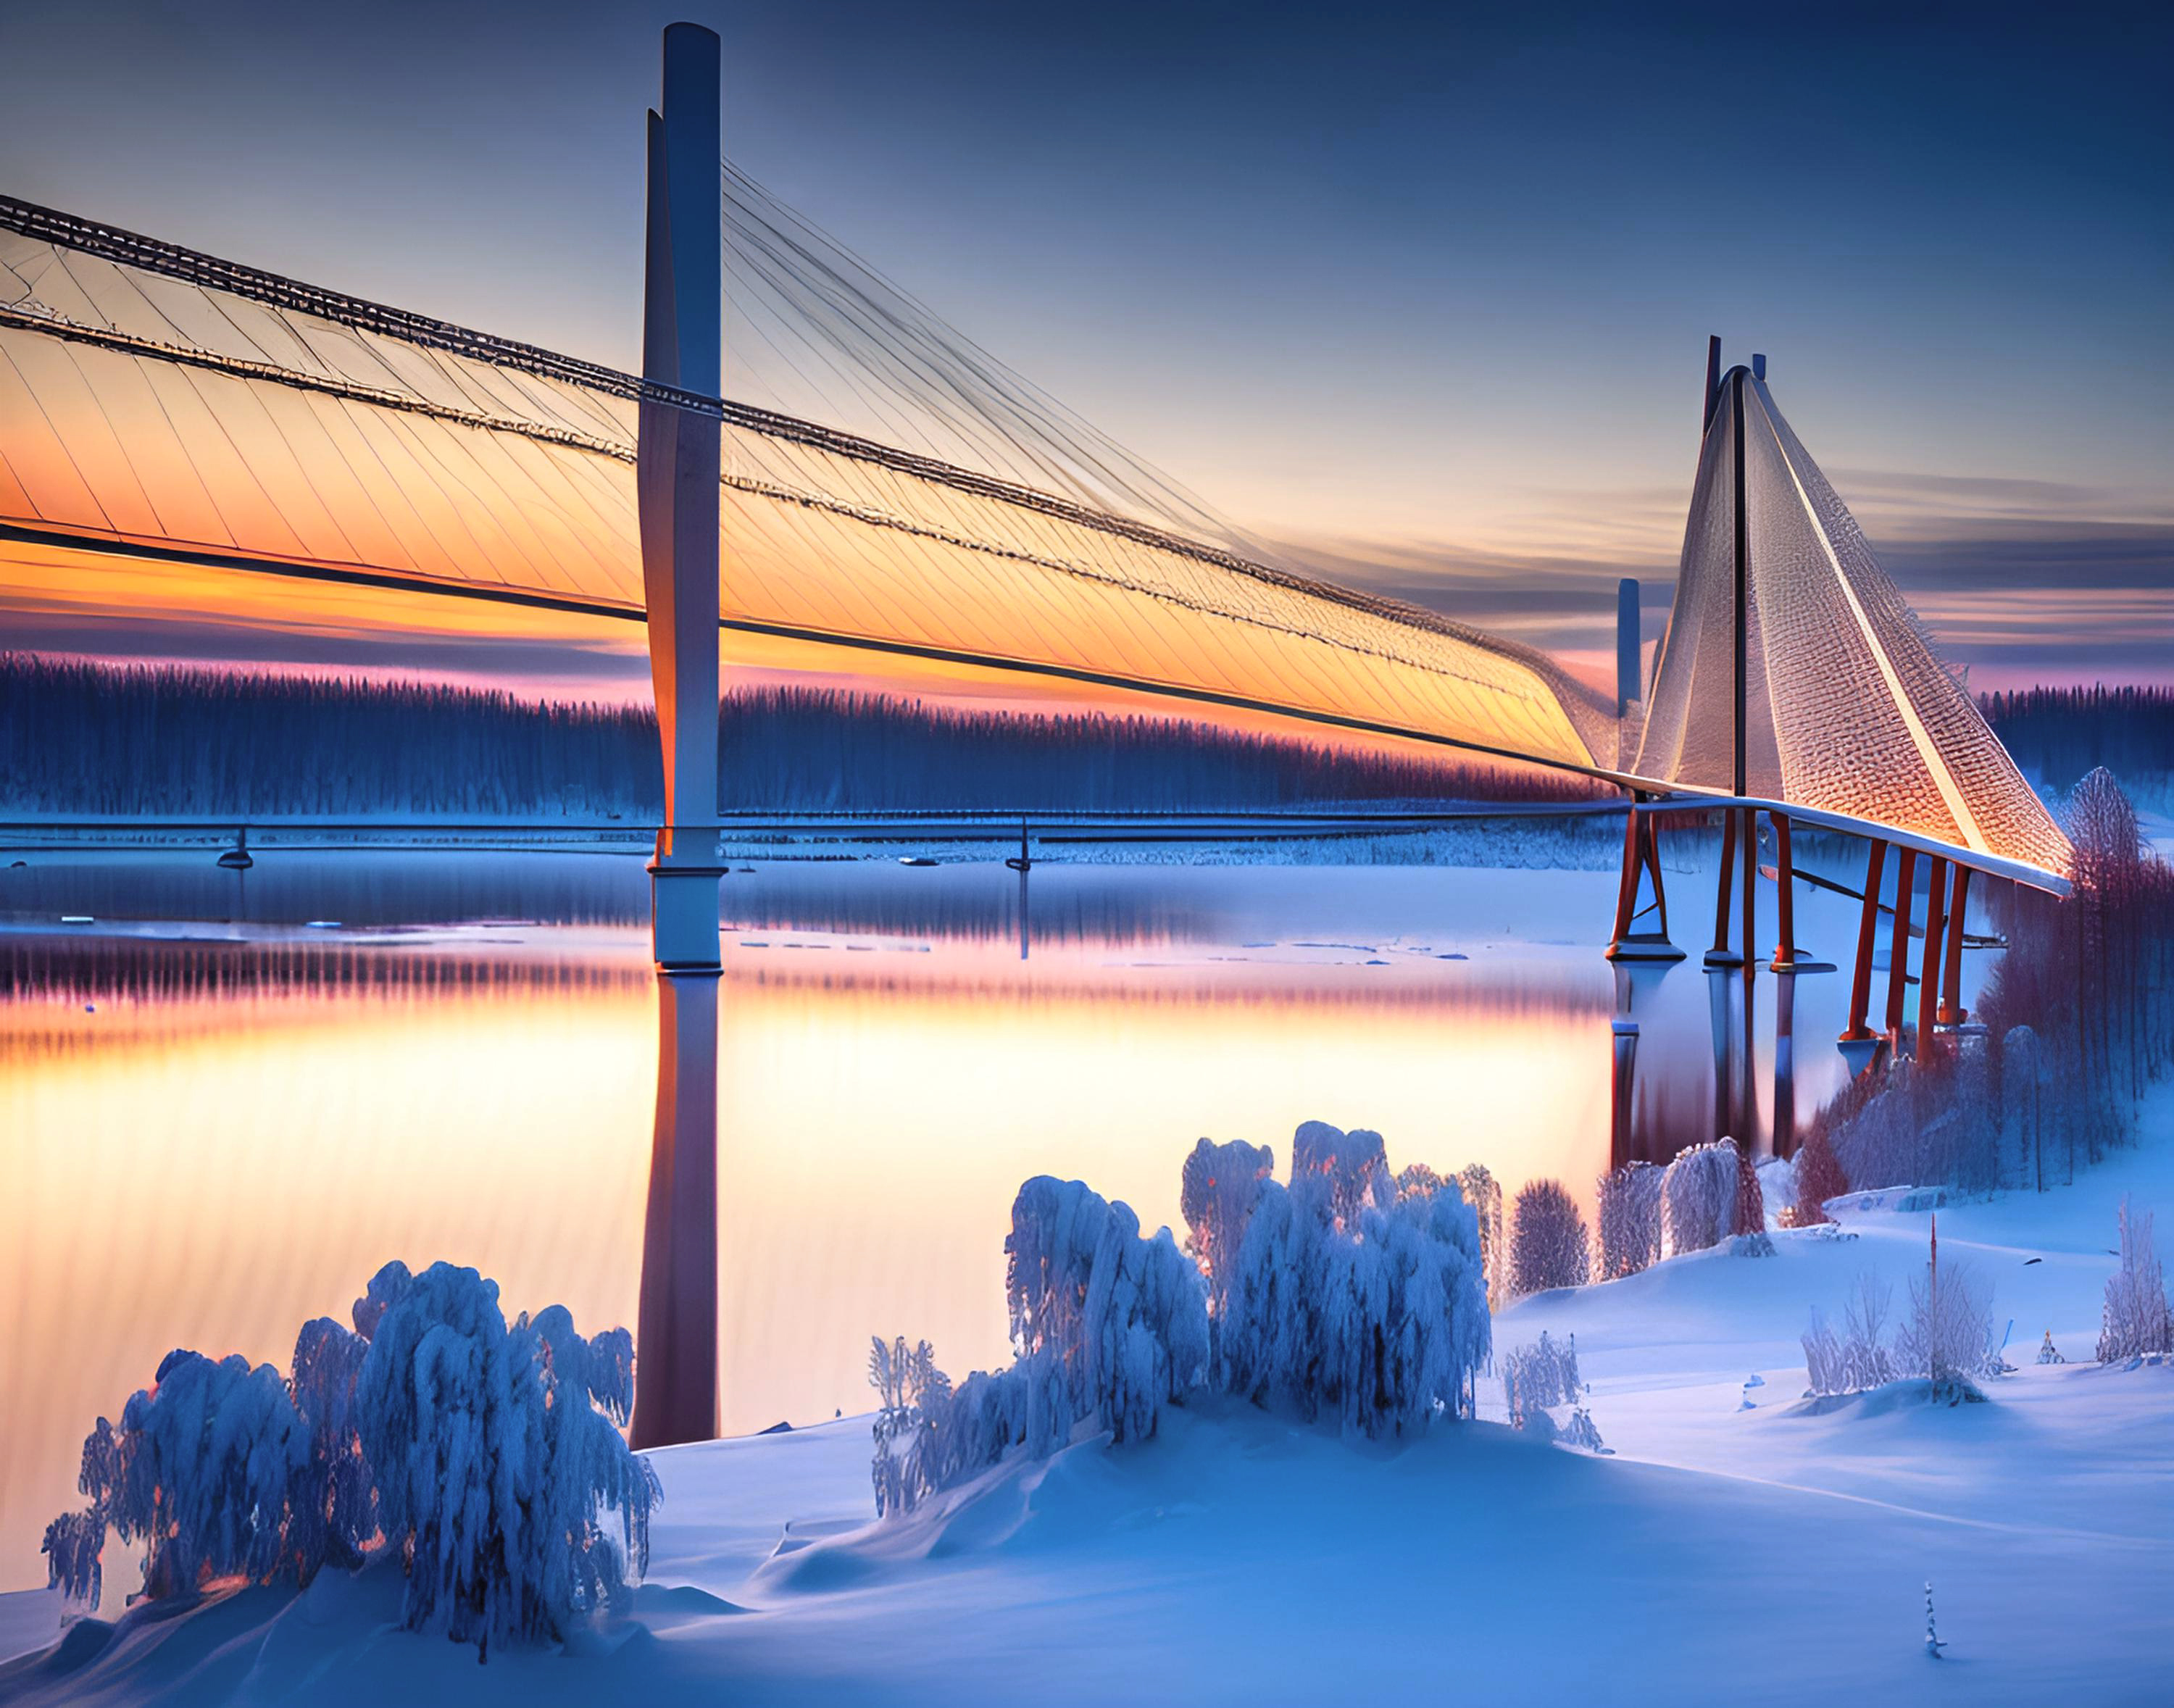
[(675, 1397), (218, 1126)]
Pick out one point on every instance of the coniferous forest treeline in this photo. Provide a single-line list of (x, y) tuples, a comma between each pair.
[(172, 741), (2058, 735)]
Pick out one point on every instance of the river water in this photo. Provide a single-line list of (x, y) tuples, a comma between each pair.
[(226, 1099)]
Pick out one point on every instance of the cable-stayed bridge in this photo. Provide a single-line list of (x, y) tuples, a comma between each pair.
[(171, 407)]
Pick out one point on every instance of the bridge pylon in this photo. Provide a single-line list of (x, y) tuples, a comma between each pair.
[(678, 462)]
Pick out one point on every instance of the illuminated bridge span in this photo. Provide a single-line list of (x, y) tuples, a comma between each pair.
[(158, 401), (881, 484)]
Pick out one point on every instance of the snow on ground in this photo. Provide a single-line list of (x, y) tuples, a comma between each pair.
[(1776, 1552)]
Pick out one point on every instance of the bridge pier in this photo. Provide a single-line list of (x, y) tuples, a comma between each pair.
[(1898, 944), (1641, 859), (1951, 1012), (678, 462), (679, 459), (1720, 955), (1929, 969)]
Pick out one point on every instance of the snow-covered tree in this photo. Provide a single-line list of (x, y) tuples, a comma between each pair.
[(1379, 1319), (339, 1515), (1818, 1177), (915, 1404), (1355, 1164), (1484, 1192), (1110, 1328), (1217, 1193), (1946, 1335), (1858, 1360), (1537, 1376), (2047, 1352), (1547, 1239), (477, 1449), (200, 1471), (1115, 1325), (1700, 1195), (2135, 1323), (495, 1471), (73, 1544), (1629, 1217)]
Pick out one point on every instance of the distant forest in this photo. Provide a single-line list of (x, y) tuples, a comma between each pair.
[(2057, 734), (78, 737)]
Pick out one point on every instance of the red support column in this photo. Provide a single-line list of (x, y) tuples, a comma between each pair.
[(1784, 877), (1626, 891), (1868, 922), (1898, 949), (1650, 832), (1952, 1012), (1750, 888), (1929, 968), (1719, 954)]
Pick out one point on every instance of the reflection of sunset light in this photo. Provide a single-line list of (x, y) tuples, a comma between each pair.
[(251, 1160)]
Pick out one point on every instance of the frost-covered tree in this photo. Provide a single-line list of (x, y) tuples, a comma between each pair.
[(495, 1471), (73, 1544), (1580, 1432), (2047, 1352), (1537, 1376), (1946, 1335), (915, 1400), (1700, 1195), (1217, 1193), (485, 1454), (1416, 1179), (339, 1516), (1547, 1239), (1630, 1217), (1818, 1177), (1859, 1358), (1378, 1319), (1823, 1359), (1355, 1164), (1113, 1326), (1484, 1192), (1110, 1329), (200, 1471), (2135, 1323)]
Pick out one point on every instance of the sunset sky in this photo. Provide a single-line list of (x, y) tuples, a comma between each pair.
[(1423, 294)]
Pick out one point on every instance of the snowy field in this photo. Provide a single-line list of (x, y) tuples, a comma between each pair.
[(1738, 1543)]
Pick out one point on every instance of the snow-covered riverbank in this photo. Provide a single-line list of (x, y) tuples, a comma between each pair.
[(1737, 1542)]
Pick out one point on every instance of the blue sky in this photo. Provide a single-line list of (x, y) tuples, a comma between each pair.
[(1425, 290)]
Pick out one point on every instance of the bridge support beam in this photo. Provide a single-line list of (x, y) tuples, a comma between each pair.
[(1720, 954), (1641, 859), (1750, 834), (1786, 959), (677, 464), (1952, 1012), (1898, 947), (1867, 925), (1928, 969)]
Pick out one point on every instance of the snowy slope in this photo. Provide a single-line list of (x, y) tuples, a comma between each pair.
[(1774, 1553)]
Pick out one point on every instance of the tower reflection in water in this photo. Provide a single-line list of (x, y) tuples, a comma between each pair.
[(675, 1391)]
